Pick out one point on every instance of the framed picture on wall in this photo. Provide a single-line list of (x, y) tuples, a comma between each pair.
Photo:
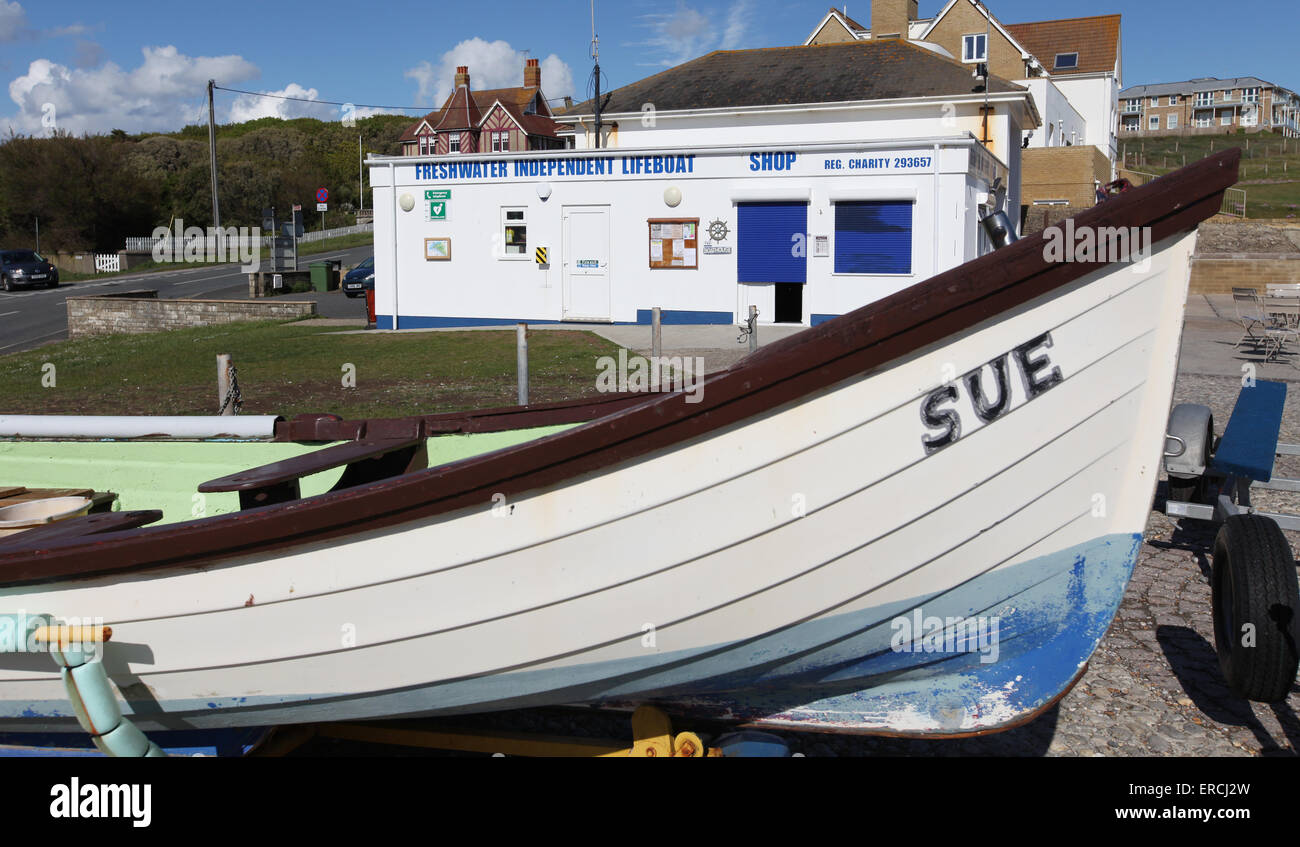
[(437, 249)]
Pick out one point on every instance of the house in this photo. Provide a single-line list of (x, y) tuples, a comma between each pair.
[(495, 120), (1072, 66), (1208, 105), (802, 181)]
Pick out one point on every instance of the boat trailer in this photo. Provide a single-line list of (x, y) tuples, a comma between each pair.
[(1253, 577)]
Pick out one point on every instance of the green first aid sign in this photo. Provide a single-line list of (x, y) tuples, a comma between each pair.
[(438, 210)]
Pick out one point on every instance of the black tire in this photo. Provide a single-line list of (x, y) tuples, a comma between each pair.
[(1253, 582)]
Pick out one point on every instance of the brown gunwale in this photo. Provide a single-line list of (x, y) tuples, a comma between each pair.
[(795, 367)]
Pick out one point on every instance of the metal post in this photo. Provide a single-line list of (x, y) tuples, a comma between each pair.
[(656, 334), (223, 384), (212, 153), (361, 180), (753, 326), (38, 235), (521, 361)]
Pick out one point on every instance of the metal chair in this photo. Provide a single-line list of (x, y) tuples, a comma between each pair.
[(1274, 329), (1249, 315)]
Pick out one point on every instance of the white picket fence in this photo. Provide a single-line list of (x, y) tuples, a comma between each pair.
[(108, 263), (147, 244)]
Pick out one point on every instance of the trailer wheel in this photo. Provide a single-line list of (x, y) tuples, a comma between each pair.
[(1255, 600)]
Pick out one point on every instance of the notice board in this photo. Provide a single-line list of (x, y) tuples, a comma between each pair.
[(674, 243)]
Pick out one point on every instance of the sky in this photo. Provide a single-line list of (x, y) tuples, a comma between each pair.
[(143, 66)]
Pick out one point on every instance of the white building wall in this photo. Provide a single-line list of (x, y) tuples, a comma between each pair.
[(1096, 98), (1062, 123), (479, 284)]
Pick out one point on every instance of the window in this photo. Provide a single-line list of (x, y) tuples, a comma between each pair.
[(514, 232), (975, 48), (1203, 120), (1172, 123), (1154, 122), (1204, 98), (1067, 61), (1132, 106), (426, 145), (1173, 99), (873, 237), (1250, 95), (1155, 101), (1225, 119), (1131, 124), (453, 142), (501, 141)]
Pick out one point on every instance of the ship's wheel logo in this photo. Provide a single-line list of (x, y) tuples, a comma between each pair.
[(718, 230)]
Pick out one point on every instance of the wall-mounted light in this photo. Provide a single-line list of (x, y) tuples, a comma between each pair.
[(672, 195), (407, 202), (544, 190)]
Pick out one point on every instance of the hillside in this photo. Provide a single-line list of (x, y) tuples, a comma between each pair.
[(1270, 165), (92, 192)]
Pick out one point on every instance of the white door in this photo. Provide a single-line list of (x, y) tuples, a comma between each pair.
[(586, 263), (760, 294)]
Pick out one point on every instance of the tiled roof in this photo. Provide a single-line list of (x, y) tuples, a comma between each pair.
[(1192, 86), (849, 71), (1095, 39), (515, 100)]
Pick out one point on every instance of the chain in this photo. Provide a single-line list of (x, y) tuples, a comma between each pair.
[(232, 394), (747, 327)]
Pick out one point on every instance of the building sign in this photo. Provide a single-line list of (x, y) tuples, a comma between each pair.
[(669, 166)]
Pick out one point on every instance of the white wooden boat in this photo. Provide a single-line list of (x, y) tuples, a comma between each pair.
[(979, 451)]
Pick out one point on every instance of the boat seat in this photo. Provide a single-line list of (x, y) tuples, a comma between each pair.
[(92, 524), (1249, 444), (366, 460)]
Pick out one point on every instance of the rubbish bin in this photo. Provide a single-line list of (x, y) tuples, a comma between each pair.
[(320, 272), (370, 308)]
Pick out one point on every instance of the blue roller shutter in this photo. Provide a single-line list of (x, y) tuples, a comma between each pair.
[(873, 237), (767, 245)]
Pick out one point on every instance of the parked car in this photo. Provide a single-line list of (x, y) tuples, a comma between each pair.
[(26, 267), (360, 279)]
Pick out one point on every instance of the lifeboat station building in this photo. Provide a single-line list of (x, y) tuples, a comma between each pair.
[(806, 181)]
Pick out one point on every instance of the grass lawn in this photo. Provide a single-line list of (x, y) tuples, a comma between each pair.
[(289, 368), (1270, 165)]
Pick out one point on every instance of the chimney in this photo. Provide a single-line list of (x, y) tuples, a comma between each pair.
[(889, 18), (532, 73), (462, 76)]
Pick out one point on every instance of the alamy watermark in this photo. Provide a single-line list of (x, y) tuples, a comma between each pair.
[(1067, 243), (215, 244), (651, 374), (917, 633)]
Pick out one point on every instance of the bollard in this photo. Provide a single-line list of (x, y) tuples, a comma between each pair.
[(753, 328), (656, 334), (521, 359), (223, 384)]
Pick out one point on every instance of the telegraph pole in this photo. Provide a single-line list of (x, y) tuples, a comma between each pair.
[(212, 152), (361, 182), (595, 54)]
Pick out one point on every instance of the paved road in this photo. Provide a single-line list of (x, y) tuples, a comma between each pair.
[(30, 318)]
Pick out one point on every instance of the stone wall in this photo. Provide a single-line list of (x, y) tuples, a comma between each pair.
[(1219, 273), (142, 311)]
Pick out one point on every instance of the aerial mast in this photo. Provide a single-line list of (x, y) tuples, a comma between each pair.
[(595, 55)]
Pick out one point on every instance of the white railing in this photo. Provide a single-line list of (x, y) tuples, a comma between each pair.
[(108, 263), (1234, 202)]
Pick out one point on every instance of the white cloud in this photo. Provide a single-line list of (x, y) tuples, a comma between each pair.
[(165, 92), (492, 64), (686, 32), (248, 107), (13, 21)]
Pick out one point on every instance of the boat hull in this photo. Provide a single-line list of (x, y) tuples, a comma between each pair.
[(780, 569)]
